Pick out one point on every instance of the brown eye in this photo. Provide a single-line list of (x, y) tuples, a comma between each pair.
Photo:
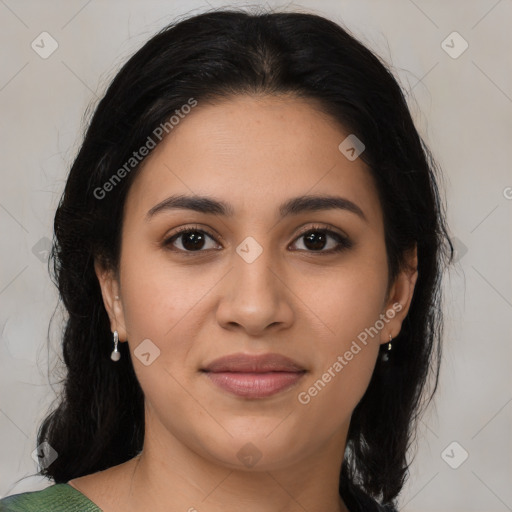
[(191, 240), (323, 240)]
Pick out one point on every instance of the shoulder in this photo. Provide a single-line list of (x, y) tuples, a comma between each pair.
[(55, 498)]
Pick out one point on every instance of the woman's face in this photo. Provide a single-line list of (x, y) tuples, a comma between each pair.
[(265, 273)]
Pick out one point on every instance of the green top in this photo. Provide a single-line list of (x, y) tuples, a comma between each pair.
[(55, 498), (64, 498)]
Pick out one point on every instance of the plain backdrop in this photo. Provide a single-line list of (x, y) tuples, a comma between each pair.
[(461, 100)]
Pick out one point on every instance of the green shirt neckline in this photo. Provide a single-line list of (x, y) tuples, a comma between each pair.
[(81, 495), (54, 498)]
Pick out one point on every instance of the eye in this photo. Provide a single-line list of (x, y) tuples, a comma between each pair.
[(320, 239), (189, 239), (315, 239)]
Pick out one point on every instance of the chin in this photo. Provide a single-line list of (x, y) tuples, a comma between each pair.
[(253, 449)]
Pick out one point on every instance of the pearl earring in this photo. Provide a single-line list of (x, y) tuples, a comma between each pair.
[(116, 355)]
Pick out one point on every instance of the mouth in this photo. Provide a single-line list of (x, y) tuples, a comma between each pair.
[(254, 376)]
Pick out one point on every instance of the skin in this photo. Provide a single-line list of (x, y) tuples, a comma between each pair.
[(253, 152)]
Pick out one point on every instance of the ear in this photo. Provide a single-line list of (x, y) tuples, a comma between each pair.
[(400, 295), (111, 293)]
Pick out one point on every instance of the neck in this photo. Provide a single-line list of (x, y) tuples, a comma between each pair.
[(170, 476)]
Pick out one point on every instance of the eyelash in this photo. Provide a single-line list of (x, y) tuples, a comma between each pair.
[(344, 243)]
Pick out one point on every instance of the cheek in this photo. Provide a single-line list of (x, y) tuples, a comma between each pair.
[(346, 301), (345, 353), (330, 396), (157, 296), (348, 307), (158, 305)]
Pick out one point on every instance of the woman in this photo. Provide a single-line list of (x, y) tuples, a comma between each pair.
[(250, 247)]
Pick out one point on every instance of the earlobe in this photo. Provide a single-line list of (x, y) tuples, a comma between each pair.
[(110, 291)]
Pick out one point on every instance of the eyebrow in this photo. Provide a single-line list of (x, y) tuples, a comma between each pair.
[(294, 206)]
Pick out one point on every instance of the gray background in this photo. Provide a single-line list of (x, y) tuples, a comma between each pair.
[(463, 108)]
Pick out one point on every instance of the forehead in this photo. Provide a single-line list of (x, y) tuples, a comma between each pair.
[(254, 152)]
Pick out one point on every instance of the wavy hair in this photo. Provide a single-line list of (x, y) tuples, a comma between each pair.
[(98, 421)]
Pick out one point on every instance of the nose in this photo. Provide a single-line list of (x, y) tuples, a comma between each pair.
[(255, 297)]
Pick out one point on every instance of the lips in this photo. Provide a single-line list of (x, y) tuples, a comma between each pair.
[(254, 364), (254, 376)]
